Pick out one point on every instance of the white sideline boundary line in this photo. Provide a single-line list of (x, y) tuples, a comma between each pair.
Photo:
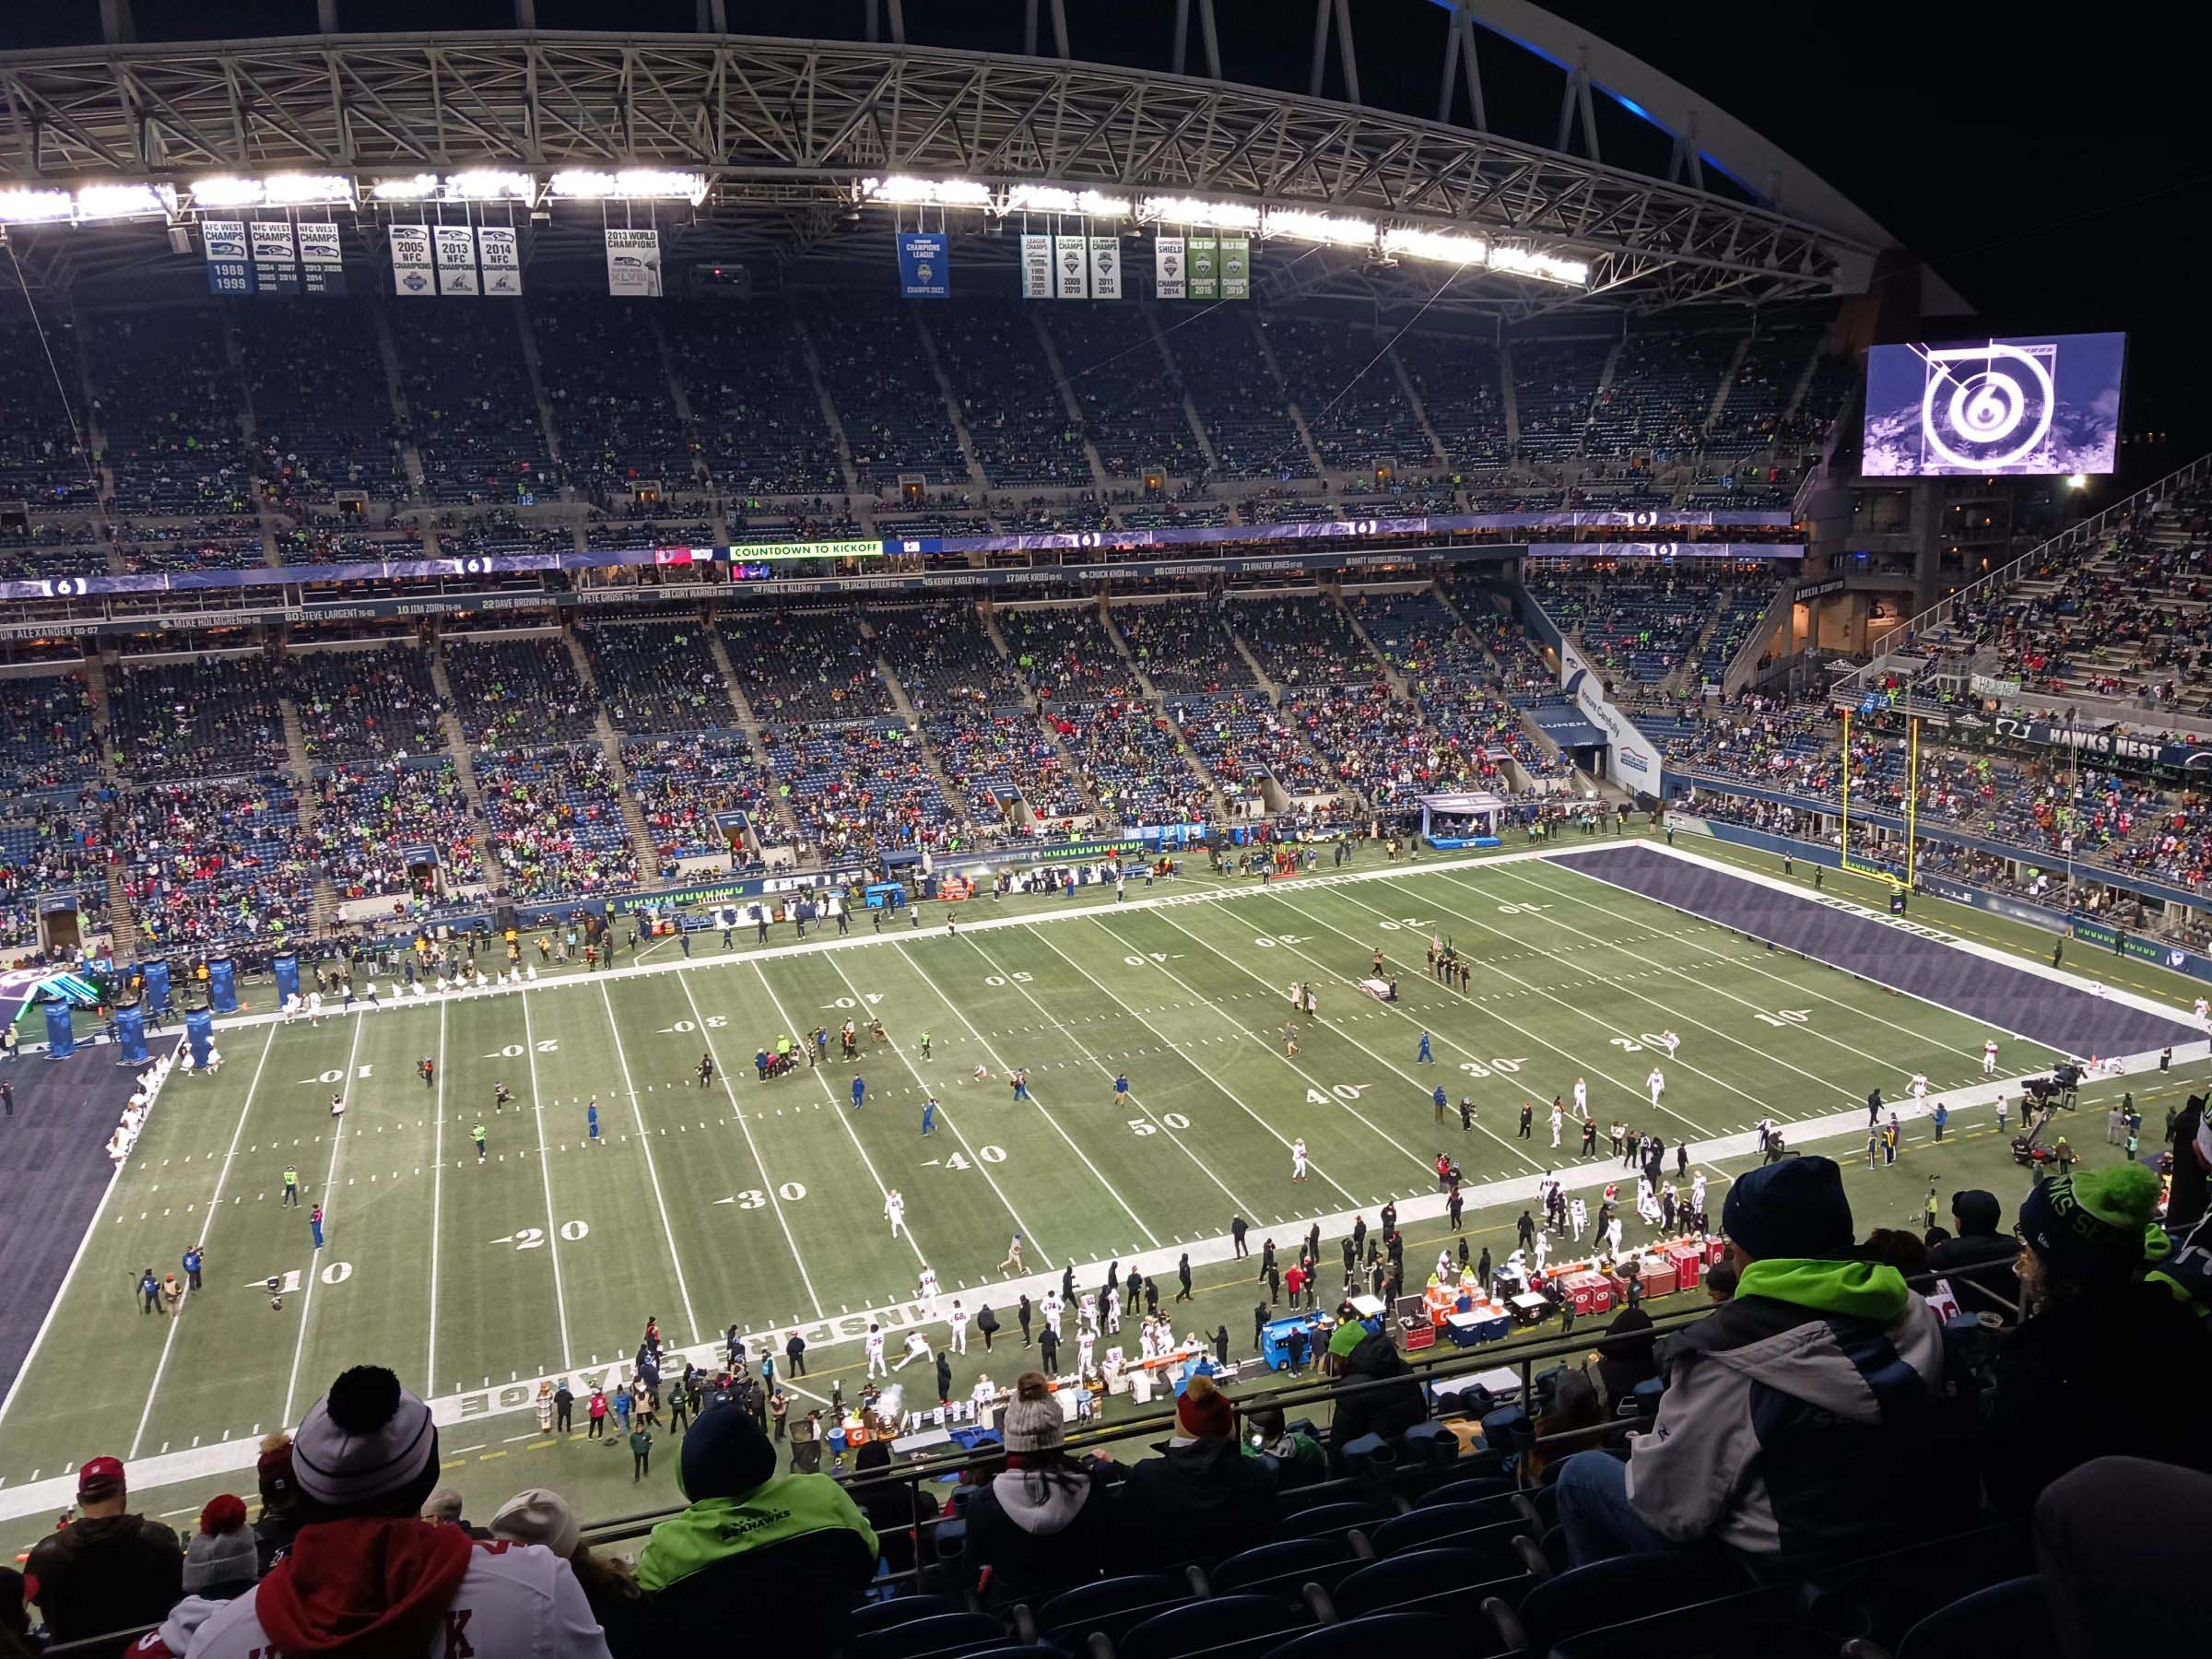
[(328, 1201), (545, 1170)]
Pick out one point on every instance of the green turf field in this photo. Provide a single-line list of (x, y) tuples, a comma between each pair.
[(763, 1204)]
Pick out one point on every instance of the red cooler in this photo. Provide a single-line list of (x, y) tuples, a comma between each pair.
[(1689, 1264), (1659, 1275), (1716, 1251)]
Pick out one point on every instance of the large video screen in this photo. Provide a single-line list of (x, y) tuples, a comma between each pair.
[(2017, 407)]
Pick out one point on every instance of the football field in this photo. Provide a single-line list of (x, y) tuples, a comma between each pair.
[(762, 1204)]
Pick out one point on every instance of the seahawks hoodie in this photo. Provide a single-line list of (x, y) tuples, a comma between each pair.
[(1793, 1416), (370, 1588)]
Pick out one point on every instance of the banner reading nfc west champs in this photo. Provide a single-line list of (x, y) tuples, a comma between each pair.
[(1206, 268), (1105, 267), (502, 258), (322, 259), (1036, 267), (1166, 268), (925, 265), (411, 261), (228, 270), (1070, 260), (457, 260), (1236, 267), (276, 259), (633, 263)]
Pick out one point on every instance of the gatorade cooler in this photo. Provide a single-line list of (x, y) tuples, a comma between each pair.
[(1659, 1275), (1689, 1264)]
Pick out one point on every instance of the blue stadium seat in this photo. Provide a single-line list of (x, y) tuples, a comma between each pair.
[(1368, 1637), (1227, 1625), (1481, 1526), (1329, 1518), (940, 1633), (1464, 1491), (1591, 1597), (1404, 1580), (899, 1610), (1287, 1557), (1108, 1606)]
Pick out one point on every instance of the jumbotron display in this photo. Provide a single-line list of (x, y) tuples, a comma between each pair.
[(2018, 407)]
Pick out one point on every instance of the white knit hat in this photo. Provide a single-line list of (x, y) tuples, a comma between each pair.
[(368, 1440)]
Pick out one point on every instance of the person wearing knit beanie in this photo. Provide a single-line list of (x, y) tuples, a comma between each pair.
[(2099, 1344), (1203, 1411), (366, 1578), (1202, 1497), (1047, 1520), (749, 1540), (219, 1562), (2089, 1228)]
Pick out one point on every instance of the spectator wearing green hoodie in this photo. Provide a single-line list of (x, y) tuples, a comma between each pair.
[(1794, 1415), (749, 1539)]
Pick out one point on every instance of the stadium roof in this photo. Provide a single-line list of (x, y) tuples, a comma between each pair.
[(1664, 199)]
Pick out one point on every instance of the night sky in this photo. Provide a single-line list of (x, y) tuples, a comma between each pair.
[(2058, 176)]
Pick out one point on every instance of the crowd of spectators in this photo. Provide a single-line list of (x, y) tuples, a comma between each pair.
[(322, 405), (373, 704), (862, 788), (214, 862), (609, 396), (1241, 405), (658, 676), (1021, 432), (369, 817), (887, 395), (52, 742), (688, 787), (1354, 409), (555, 821), (168, 406), (211, 717), (473, 412), (804, 666), (1132, 401), (761, 423), (1183, 647), (518, 691)]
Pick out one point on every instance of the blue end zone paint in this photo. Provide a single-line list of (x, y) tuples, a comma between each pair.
[(55, 1146), (2076, 1022)]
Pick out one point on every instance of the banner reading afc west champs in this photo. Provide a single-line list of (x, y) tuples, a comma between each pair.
[(633, 263), (1036, 267), (228, 269)]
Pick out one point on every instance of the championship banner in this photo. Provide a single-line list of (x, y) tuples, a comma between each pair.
[(633, 263), (1204, 261), (322, 259), (1036, 267), (925, 265), (228, 270), (1105, 267), (502, 257), (1236, 267), (411, 260), (457, 260), (1071, 258), (1166, 268), (275, 257)]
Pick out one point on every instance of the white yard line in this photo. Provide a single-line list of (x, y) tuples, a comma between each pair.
[(1220, 1088), (1198, 1163), (437, 1201), (215, 1200), (1344, 1031), (983, 1167), (1269, 1043), (328, 1199), (545, 1169), (653, 1173), (1580, 1063), (721, 1075), (999, 1060)]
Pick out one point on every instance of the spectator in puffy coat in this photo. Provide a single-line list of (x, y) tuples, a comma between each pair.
[(1376, 1390), (108, 1570)]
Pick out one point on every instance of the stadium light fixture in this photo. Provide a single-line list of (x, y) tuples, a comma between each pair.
[(34, 206), (1330, 229), (421, 187), (946, 192), (631, 185), (1548, 267), (1189, 210), (1051, 198), (125, 200), (488, 185), (1405, 242)]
